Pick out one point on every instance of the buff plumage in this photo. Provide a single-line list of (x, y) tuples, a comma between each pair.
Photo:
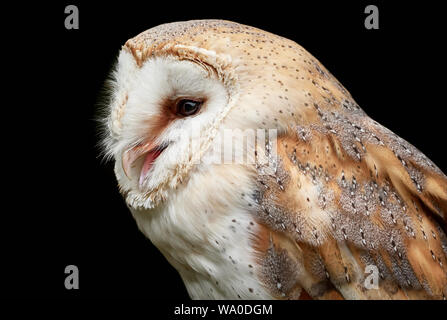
[(344, 193)]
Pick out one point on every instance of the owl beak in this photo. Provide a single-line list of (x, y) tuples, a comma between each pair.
[(130, 158)]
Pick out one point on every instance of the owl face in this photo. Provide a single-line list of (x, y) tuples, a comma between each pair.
[(159, 111)]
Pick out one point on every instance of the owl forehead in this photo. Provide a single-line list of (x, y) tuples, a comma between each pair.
[(243, 54), (215, 35), (232, 43), (237, 52)]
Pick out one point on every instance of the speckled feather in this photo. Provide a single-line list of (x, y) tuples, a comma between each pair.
[(346, 192)]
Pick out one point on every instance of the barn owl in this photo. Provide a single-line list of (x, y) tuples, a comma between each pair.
[(336, 194)]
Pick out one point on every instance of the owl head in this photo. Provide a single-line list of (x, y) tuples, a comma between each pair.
[(175, 87)]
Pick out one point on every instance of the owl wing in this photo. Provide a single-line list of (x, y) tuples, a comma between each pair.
[(348, 210)]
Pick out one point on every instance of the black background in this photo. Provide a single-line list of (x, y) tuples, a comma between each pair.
[(62, 205)]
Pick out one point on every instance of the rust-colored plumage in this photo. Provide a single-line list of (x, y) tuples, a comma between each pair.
[(336, 214)]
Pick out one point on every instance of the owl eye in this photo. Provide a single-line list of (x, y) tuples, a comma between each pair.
[(187, 107)]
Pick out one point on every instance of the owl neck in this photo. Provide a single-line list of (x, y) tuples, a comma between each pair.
[(206, 234)]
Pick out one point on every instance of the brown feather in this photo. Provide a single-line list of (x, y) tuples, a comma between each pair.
[(345, 210)]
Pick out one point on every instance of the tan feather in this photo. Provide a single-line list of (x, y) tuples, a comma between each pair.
[(349, 198)]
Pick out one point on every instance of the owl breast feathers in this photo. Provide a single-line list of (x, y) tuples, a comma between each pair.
[(348, 210)]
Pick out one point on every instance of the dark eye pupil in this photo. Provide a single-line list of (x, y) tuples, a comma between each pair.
[(188, 107)]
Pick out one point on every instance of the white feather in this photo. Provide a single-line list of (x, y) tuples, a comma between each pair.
[(195, 213)]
